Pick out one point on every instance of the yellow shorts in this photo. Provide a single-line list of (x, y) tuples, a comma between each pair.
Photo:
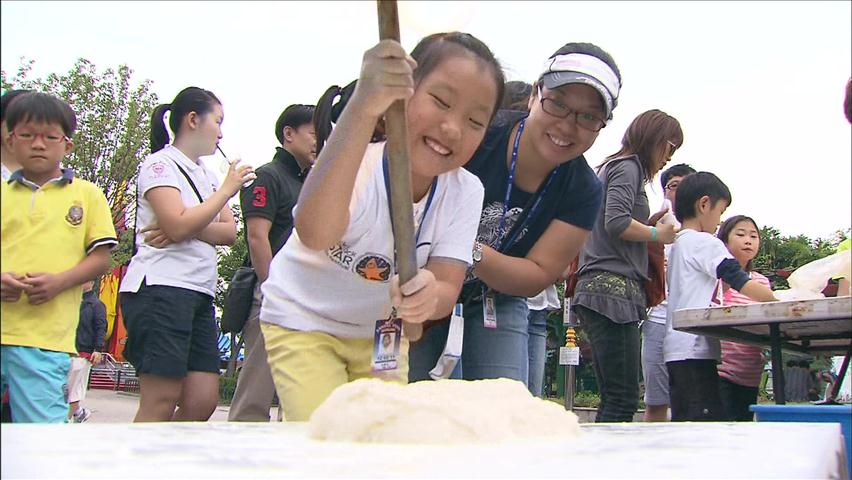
[(308, 366)]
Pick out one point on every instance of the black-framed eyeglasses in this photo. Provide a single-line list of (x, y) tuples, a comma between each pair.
[(557, 109), (671, 186)]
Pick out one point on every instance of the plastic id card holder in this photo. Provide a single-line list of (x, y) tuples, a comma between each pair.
[(386, 342), (453, 349), (489, 310)]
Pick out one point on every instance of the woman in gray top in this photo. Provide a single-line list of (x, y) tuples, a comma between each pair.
[(609, 297)]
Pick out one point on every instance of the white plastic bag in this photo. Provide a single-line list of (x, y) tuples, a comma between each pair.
[(796, 294), (814, 276)]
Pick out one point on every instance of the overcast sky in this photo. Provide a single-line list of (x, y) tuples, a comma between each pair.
[(758, 87)]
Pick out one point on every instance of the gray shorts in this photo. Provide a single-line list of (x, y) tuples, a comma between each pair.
[(653, 366)]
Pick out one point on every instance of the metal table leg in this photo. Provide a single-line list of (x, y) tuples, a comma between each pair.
[(835, 389), (777, 364)]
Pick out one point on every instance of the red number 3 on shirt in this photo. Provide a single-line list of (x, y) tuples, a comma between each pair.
[(259, 196)]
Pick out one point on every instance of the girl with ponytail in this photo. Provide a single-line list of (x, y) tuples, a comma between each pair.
[(332, 296), (167, 293)]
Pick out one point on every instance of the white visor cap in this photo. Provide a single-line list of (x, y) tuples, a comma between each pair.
[(587, 69)]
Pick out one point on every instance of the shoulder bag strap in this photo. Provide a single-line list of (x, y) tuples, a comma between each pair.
[(191, 183)]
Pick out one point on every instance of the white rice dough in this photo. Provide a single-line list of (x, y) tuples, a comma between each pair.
[(445, 411)]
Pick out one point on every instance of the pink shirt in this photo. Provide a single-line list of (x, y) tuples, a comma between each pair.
[(742, 364)]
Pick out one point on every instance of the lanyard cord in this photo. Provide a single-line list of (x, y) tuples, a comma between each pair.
[(432, 191), (529, 211)]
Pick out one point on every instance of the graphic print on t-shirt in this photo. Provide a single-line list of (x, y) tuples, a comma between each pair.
[(342, 255), (489, 224), (375, 267)]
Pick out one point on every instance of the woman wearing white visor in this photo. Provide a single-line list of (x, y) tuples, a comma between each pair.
[(541, 202)]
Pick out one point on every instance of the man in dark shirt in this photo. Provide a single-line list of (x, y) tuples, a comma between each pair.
[(267, 206), (90, 340)]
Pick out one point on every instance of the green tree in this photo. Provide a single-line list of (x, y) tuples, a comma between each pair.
[(113, 118), (230, 259)]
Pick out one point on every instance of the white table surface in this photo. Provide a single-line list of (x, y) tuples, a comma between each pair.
[(270, 450)]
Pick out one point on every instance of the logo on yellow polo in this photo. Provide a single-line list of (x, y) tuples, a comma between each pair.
[(75, 214), (374, 267)]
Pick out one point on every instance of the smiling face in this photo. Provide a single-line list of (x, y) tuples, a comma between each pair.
[(744, 241), (556, 140), (39, 147), (448, 114)]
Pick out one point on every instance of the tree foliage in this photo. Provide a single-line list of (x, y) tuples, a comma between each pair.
[(113, 118), (230, 258)]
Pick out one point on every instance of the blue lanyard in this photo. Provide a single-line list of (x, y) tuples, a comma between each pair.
[(432, 191), (509, 184)]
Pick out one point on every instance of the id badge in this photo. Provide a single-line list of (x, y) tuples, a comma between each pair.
[(489, 310), (386, 341)]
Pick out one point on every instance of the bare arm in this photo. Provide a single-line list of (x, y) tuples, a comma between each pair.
[(257, 235), (322, 219), (758, 292), (544, 263), (449, 276), (223, 232), (180, 223), (386, 76), (637, 232)]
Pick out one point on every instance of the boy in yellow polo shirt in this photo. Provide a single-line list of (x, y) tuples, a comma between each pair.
[(56, 232)]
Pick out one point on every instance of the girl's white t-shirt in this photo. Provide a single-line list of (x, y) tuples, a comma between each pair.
[(190, 264), (345, 289)]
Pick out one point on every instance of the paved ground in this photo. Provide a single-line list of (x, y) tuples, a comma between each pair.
[(108, 406)]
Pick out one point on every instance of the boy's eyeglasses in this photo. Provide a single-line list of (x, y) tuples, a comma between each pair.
[(557, 109), (46, 137), (672, 186)]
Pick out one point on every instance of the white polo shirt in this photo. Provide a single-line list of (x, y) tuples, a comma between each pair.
[(190, 264), (342, 291)]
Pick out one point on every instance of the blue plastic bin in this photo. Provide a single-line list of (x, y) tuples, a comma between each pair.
[(841, 414)]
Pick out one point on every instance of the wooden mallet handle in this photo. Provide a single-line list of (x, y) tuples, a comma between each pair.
[(399, 169)]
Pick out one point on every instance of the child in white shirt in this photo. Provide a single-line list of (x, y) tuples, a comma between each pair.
[(698, 263), (331, 289)]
